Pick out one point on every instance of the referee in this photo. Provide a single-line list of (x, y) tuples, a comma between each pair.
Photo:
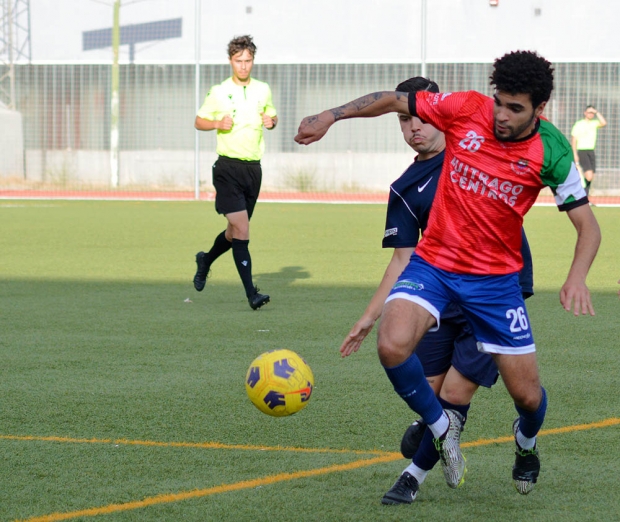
[(238, 108), (583, 141)]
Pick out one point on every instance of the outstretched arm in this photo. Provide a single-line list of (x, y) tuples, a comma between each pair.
[(364, 325), (313, 128), (574, 293)]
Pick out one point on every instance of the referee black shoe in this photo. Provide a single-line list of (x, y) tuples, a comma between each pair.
[(404, 490), (200, 279), (257, 300)]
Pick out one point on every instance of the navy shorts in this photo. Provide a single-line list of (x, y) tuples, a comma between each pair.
[(454, 344), (237, 185), (492, 304)]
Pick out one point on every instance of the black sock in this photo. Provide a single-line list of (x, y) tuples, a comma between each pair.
[(588, 187), (221, 245), (243, 261)]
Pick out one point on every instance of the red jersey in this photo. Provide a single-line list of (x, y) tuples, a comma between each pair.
[(487, 185)]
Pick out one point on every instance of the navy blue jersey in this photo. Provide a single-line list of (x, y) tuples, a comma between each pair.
[(526, 276), (409, 204)]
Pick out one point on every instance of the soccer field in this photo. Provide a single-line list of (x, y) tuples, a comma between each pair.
[(123, 388)]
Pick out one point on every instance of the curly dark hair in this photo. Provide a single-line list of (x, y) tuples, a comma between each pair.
[(417, 83), (524, 72), (241, 43)]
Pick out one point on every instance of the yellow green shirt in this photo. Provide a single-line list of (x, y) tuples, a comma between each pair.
[(244, 103), (585, 132)]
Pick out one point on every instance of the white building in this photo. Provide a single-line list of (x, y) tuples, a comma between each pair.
[(339, 31)]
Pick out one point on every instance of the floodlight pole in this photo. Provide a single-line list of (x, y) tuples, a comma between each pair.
[(114, 101), (197, 99), (9, 25), (423, 40)]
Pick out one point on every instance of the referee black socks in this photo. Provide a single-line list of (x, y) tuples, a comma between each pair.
[(243, 262), (221, 245)]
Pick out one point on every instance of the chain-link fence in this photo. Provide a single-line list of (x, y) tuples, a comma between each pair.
[(64, 112)]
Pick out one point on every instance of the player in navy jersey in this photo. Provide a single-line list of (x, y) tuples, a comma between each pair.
[(452, 364)]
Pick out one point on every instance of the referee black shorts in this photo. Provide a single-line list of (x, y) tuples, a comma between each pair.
[(587, 160), (237, 184)]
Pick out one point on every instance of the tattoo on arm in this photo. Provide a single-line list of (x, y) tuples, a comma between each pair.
[(338, 112), (350, 110), (367, 100)]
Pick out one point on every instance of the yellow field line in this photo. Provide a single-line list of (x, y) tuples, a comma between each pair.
[(254, 483), (246, 447), (552, 431), (199, 445), (224, 488)]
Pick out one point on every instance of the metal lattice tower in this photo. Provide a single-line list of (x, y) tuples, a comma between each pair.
[(14, 45)]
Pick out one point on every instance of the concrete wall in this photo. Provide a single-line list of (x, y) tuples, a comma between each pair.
[(11, 144), (175, 170)]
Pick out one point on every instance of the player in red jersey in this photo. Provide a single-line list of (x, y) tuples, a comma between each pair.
[(499, 154)]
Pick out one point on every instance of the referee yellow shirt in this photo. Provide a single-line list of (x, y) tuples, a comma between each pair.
[(244, 104)]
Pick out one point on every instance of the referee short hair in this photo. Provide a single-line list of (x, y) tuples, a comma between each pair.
[(241, 43)]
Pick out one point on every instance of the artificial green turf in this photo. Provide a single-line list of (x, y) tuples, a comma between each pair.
[(98, 342)]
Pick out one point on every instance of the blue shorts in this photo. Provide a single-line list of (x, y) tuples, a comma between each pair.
[(492, 304), (454, 344)]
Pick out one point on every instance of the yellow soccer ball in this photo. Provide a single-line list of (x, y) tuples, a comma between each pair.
[(279, 383)]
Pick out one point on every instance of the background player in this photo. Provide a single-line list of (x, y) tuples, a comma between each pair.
[(238, 109), (583, 140), (452, 364), (499, 155)]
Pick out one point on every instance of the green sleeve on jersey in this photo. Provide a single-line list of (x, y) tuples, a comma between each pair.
[(559, 171)]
